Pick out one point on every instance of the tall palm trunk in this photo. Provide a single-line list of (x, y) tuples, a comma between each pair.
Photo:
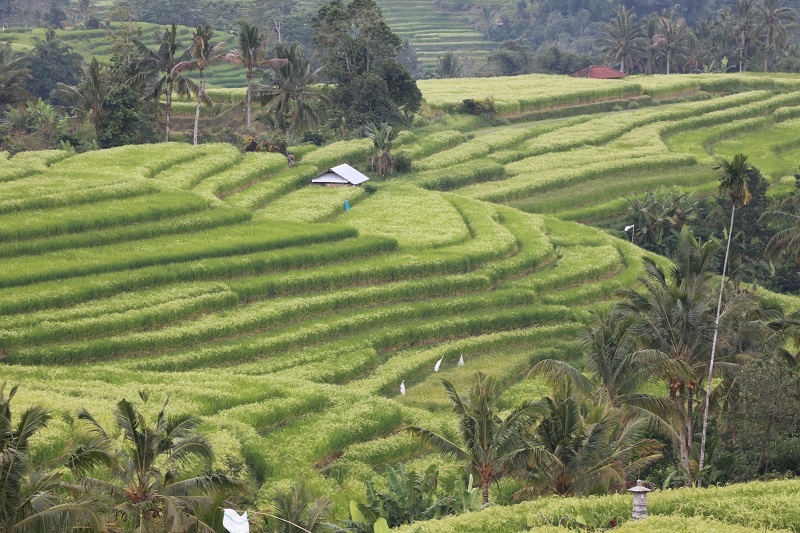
[(201, 90), (249, 94), (714, 343), (168, 111)]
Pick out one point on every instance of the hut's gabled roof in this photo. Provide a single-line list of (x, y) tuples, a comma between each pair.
[(600, 72), (341, 174)]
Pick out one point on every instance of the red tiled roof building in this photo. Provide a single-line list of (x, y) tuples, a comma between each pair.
[(599, 72)]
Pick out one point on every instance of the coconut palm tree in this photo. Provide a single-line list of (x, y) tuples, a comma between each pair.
[(88, 97), (288, 90), (670, 32), (492, 445), (623, 40), (772, 18), (295, 511), (204, 55), (150, 468), (592, 445), (674, 316), (618, 367), (788, 239), (158, 65), (742, 23), (733, 182), (14, 75), (30, 500), (249, 55)]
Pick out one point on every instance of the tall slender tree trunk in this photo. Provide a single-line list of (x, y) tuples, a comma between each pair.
[(168, 110), (200, 92), (714, 341), (485, 488), (685, 434), (249, 94)]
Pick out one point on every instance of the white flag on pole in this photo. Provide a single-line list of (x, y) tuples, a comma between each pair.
[(235, 523)]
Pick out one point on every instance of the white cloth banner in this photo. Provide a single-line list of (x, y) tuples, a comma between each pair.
[(233, 522)]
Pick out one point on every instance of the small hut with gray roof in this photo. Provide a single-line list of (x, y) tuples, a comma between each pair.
[(340, 176)]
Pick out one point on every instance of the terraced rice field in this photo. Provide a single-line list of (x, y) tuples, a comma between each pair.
[(288, 323)]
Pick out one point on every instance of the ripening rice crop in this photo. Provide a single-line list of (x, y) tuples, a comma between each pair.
[(416, 218)]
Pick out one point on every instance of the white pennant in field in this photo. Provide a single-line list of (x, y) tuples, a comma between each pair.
[(461, 360), (438, 364), (235, 523), (403, 387)]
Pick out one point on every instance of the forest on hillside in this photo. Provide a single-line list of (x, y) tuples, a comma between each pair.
[(519, 36)]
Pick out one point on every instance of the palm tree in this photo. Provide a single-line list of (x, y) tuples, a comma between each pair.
[(29, 500), (159, 65), (150, 468), (448, 66), (772, 18), (249, 54), (671, 31), (295, 511), (649, 33), (787, 239), (673, 315), (592, 445), (491, 444), (88, 97), (203, 56), (382, 138), (623, 39), (14, 75), (618, 367), (288, 91), (743, 24), (733, 182)]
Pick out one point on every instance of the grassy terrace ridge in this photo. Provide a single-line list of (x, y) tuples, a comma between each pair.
[(289, 324)]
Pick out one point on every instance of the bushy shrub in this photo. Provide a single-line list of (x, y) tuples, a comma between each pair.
[(483, 108), (401, 163)]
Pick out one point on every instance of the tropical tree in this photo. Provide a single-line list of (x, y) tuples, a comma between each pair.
[(670, 32), (88, 97), (29, 499), (772, 18), (485, 18), (288, 90), (492, 445), (742, 23), (14, 76), (249, 55), (295, 511), (382, 137), (204, 54), (623, 40), (618, 367), (673, 316), (158, 65), (787, 239), (732, 182), (448, 66), (150, 468), (591, 445)]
